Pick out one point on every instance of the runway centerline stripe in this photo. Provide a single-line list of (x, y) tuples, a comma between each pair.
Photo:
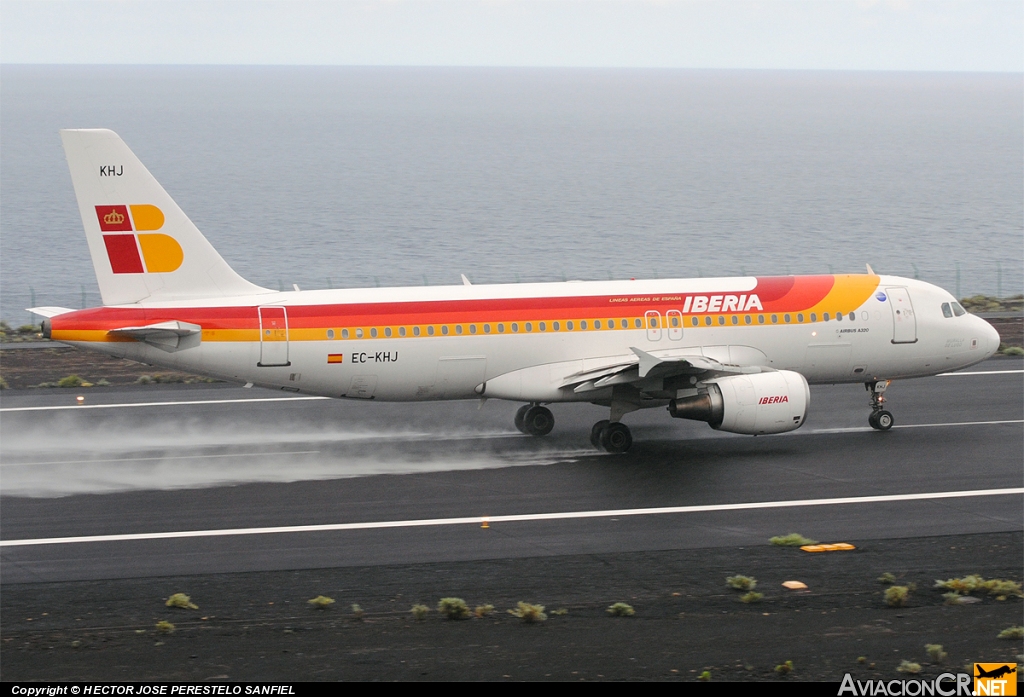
[(163, 404), (148, 459), (855, 429), (476, 520)]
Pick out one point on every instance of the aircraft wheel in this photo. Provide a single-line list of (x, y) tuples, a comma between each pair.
[(538, 421), (595, 433), (873, 419), (520, 419), (884, 420), (616, 438)]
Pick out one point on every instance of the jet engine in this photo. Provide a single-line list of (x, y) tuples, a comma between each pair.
[(773, 402)]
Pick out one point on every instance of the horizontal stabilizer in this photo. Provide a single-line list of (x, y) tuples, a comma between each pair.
[(49, 311), (168, 336)]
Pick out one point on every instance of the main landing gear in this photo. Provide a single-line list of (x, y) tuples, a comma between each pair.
[(535, 420), (611, 436), (880, 419)]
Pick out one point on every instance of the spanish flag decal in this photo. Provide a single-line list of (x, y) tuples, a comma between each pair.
[(335, 357)]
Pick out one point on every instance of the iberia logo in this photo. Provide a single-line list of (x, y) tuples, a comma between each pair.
[(127, 252), (995, 679)]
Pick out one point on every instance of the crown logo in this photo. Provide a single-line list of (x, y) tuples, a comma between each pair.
[(113, 218)]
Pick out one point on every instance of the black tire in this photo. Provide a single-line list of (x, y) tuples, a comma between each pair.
[(616, 438), (520, 419), (595, 433), (873, 420), (538, 421), (885, 420)]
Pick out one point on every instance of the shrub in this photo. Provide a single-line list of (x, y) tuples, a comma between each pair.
[(784, 668), (741, 583), (906, 666), (528, 612), (144, 380), (896, 596), (1015, 632), (999, 587), (751, 597), (181, 600), (1012, 351), (935, 652), (321, 602), (705, 676), (620, 610), (4, 385), (70, 381), (793, 539), (887, 579), (483, 610), (419, 612), (164, 627), (453, 608), (560, 612), (357, 611)]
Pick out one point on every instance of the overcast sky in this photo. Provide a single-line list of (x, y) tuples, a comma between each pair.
[(960, 35)]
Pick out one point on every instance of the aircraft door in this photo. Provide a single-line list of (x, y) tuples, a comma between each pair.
[(674, 322), (904, 322), (273, 336), (653, 321)]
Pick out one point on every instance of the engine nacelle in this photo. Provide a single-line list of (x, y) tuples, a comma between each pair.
[(773, 402)]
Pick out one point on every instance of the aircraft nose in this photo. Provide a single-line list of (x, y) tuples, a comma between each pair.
[(990, 338)]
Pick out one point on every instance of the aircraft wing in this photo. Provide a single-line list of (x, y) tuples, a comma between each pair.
[(643, 366), (49, 311)]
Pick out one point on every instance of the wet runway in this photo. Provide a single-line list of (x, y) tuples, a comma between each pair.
[(413, 482)]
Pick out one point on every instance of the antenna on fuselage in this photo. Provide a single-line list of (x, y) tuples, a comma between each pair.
[(871, 271), (465, 281)]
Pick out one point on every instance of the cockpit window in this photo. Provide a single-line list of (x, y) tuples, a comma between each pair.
[(958, 311), (946, 311)]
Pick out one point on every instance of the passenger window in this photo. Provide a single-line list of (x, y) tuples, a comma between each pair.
[(853, 316), (529, 326), (554, 326), (444, 329), (786, 319), (814, 317), (958, 311), (387, 331), (625, 324), (747, 319), (597, 324), (543, 326), (487, 329), (458, 328), (825, 317), (639, 324), (568, 325), (501, 328), (415, 331), (695, 321), (800, 317), (721, 319), (707, 321), (760, 319), (373, 332), (675, 321), (583, 324), (654, 322), (359, 333), (515, 327), (330, 333), (775, 319), (839, 317), (430, 330), (735, 319), (401, 331), (344, 333), (472, 329)]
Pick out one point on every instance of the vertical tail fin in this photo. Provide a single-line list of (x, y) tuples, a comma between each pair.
[(142, 245)]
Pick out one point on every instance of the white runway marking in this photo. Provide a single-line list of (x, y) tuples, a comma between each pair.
[(476, 520), (162, 404), (855, 429), (270, 453), (982, 372)]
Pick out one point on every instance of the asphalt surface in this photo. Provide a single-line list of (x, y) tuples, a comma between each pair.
[(202, 460)]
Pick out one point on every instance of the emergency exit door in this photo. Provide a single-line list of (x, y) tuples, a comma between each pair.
[(273, 336)]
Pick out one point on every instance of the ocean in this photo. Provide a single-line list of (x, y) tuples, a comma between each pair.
[(353, 176)]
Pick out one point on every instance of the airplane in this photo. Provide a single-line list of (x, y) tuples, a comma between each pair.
[(736, 353)]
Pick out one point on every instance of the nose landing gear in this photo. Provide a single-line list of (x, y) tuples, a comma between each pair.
[(880, 419)]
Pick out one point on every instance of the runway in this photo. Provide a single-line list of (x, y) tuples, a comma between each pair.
[(313, 483)]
